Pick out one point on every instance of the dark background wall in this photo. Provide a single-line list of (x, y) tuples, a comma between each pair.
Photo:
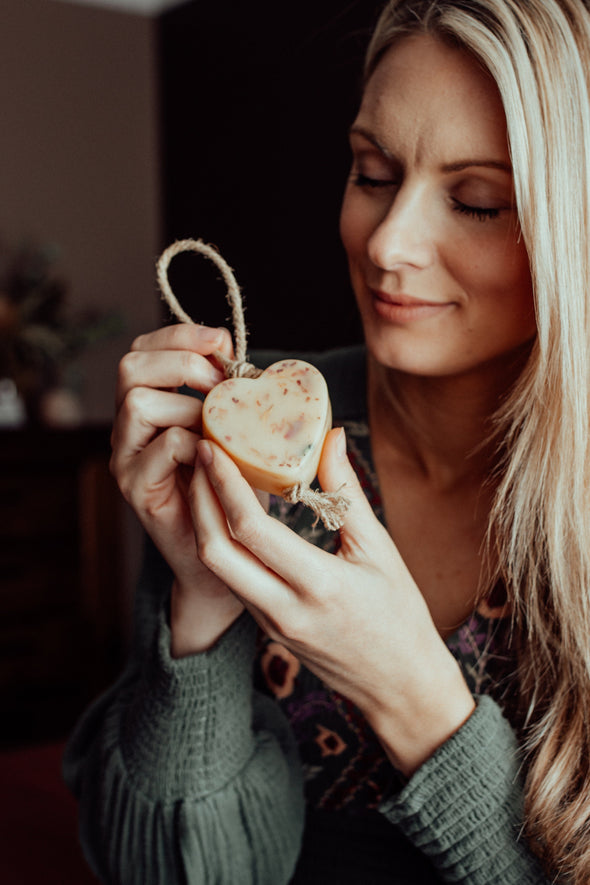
[(256, 100), (79, 164)]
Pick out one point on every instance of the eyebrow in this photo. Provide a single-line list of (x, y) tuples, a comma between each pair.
[(488, 164), (457, 166)]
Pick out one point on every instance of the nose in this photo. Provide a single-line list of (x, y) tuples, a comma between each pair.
[(404, 235)]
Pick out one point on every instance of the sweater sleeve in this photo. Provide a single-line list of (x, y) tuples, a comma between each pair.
[(184, 774), (463, 808)]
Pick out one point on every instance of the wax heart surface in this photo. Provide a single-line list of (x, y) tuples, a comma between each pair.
[(274, 426)]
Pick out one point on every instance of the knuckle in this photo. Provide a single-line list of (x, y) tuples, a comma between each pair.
[(138, 343), (178, 336), (209, 553), (190, 363), (128, 368), (136, 401), (172, 438), (247, 530)]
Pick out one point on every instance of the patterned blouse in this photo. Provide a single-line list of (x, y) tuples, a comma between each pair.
[(345, 768)]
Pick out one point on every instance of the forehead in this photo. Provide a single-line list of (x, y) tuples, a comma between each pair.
[(426, 95)]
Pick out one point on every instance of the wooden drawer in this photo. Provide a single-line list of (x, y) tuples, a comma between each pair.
[(61, 610)]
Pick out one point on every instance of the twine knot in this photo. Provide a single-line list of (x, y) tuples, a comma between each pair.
[(237, 368), (330, 507)]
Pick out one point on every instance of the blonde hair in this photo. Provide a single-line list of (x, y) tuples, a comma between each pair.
[(538, 52)]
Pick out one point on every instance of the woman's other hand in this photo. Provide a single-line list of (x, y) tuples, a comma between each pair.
[(154, 445), (355, 618)]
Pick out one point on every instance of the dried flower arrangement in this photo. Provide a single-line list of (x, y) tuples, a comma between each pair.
[(39, 336)]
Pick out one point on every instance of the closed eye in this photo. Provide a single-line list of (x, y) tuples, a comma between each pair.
[(481, 213), (361, 180)]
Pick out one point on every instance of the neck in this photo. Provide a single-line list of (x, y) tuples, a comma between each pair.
[(442, 427)]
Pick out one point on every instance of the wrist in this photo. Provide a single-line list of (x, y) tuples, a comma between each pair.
[(423, 716), (199, 616)]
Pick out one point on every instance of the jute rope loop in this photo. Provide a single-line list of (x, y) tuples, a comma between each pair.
[(330, 507), (240, 367)]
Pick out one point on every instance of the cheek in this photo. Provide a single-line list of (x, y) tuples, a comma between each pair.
[(492, 265), (501, 276)]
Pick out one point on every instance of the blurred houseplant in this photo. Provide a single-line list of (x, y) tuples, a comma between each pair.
[(39, 338)]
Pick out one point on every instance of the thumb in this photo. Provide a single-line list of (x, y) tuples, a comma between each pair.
[(335, 473)]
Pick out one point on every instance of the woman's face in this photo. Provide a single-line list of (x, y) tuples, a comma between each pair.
[(440, 273)]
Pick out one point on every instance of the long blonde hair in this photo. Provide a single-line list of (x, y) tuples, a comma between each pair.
[(538, 52)]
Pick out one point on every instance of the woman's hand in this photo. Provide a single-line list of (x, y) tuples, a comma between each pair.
[(355, 618), (154, 441)]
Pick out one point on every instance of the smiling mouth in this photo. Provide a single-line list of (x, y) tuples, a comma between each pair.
[(405, 308), (405, 300)]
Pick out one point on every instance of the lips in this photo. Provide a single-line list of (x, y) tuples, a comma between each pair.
[(403, 300), (402, 308)]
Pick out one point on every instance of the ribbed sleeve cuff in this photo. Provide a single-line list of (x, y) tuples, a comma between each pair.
[(187, 730), (463, 807)]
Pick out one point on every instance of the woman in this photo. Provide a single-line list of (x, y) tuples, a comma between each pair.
[(432, 659)]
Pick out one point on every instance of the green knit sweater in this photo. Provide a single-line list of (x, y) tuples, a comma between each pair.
[(186, 775)]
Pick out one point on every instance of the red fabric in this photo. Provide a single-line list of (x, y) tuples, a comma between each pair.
[(38, 821)]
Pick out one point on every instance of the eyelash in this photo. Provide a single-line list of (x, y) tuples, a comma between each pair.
[(361, 180), (478, 212)]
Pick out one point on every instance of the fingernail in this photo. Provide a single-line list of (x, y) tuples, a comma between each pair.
[(205, 452), (341, 445), (210, 334), (215, 376)]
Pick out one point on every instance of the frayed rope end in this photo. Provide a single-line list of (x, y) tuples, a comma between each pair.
[(330, 507)]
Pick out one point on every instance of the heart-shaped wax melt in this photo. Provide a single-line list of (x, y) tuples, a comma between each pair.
[(274, 426)]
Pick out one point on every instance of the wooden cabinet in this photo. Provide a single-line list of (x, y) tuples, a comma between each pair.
[(61, 611)]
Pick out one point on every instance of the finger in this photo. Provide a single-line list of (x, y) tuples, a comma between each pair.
[(298, 563), (149, 479), (167, 369), (335, 472), (242, 571), (186, 336), (145, 412)]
